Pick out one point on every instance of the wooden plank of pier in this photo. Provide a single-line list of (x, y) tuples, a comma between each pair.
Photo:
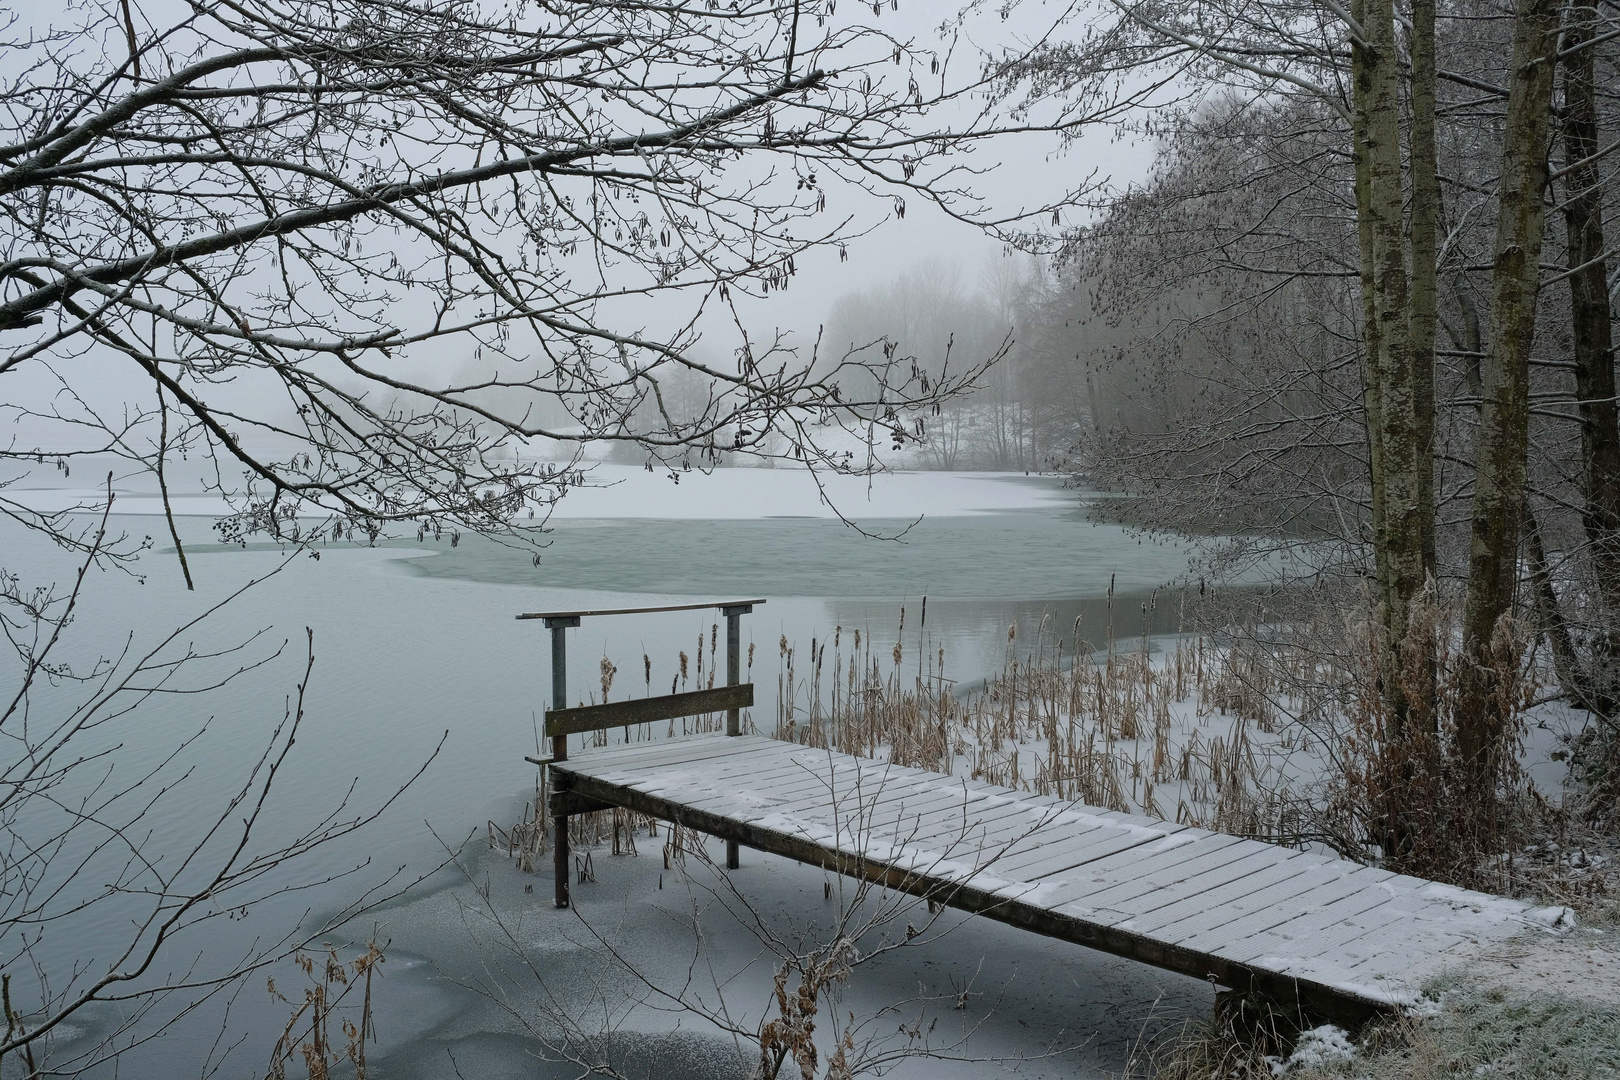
[(1335, 939)]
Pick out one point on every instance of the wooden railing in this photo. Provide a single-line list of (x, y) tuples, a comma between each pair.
[(583, 718), (562, 721)]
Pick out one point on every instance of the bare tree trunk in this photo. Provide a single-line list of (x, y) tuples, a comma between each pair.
[(1369, 314), (1425, 224), (1404, 528), (1498, 513), (1590, 326)]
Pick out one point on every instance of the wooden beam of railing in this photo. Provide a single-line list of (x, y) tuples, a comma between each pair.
[(640, 610), (646, 710)]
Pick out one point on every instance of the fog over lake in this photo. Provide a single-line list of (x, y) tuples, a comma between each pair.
[(418, 642)]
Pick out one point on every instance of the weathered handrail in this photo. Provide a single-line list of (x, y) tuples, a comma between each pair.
[(562, 721), (638, 610), (583, 718)]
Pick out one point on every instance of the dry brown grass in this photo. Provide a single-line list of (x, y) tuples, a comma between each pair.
[(308, 1036), (1267, 725), (1396, 789), (1117, 729)]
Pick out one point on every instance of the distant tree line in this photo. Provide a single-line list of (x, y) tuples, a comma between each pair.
[(938, 320)]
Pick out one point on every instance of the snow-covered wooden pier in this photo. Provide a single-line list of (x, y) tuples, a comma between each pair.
[(1326, 936)]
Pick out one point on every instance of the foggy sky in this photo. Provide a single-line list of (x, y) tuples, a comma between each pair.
[(1020, 171)]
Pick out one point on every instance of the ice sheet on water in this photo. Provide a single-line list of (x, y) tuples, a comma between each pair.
[(623, 491)]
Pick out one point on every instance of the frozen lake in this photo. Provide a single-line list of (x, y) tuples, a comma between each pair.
[(417, 642)]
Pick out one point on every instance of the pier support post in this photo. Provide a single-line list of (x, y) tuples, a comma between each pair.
[(559, 746), (733, 675)]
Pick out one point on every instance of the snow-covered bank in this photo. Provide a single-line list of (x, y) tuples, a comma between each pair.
[(1220, 736)]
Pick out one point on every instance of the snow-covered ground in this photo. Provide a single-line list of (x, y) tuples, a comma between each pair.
[(1583, 966)]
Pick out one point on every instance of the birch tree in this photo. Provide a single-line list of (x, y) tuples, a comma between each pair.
[(1399, 331)]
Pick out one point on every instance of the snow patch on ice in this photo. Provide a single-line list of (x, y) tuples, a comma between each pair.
[(615, 492), (620, 491)]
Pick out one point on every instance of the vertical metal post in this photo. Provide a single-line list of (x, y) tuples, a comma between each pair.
[(733, 663), (733, 676), (559, 748)]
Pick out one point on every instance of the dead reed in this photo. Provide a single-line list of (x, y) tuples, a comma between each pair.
[(1271, 727), (308, 1034), (1173, 735), (530, 836)]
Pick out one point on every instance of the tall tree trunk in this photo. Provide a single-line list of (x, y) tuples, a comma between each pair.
[(1590, 326), (1425, 257), (1425, 226), (1360, 62), (1403, 458), (1504, 423)]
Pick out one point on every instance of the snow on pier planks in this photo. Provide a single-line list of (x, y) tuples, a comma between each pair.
[(1334, 938)]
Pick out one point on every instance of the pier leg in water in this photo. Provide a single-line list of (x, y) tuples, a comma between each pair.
[(733, 716), (559, 746)]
